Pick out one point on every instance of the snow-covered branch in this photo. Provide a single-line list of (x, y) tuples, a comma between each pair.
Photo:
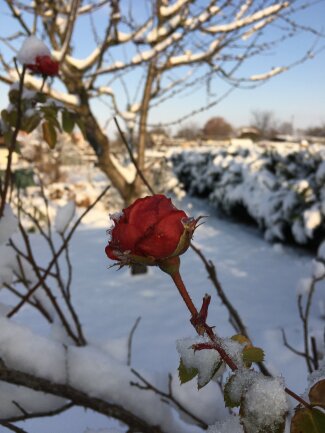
[(88, 377), (239, 23)]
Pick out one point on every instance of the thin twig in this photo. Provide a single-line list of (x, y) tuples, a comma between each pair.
[(30, 415), (233, 313), (36, 304), (12, 427), (167, 397), (314, 350), (47, 289), (288, 345), (130, 339), (55, 257)]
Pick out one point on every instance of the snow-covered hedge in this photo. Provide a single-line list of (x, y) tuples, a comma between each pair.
[(280, 186)]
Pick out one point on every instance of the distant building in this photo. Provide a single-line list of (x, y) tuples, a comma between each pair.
[(249, 132)]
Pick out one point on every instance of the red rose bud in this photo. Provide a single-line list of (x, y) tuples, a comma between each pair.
[(150, 231), (44, 65)]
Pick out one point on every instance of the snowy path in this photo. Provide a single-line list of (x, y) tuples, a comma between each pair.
[(260, 280)]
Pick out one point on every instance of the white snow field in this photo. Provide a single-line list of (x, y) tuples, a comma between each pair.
[(261, 280)]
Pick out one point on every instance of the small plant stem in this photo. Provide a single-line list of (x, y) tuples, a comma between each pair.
[(299, 399), (13, 142), (194, 313), (184, 293)]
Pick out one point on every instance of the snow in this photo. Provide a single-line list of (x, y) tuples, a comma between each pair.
[(274, 186), (257, 27), (321, 251), (312, 219), (80, 64), (230, 425), (29, 400), (304, 286), (8, 224), (172, 9), (206, 361), (23, 350), (259, 281), (36, 83), (7, 257), (30, 49), (237, 24), (318, 269), (64, 216), (265, 404), (266, 75), (240, 383)]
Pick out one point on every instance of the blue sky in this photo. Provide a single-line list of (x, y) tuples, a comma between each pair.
[(297, 95)]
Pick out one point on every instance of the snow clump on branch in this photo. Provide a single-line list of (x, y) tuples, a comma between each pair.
[(32, 47)]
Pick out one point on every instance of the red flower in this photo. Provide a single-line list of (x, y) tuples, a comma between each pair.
[(149, 231), (44, 65)]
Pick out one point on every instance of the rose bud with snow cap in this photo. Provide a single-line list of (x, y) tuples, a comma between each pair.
[(151, 231), (36, 57)]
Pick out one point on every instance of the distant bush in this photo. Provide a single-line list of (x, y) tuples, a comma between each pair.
[(281, 188), (217, 128)]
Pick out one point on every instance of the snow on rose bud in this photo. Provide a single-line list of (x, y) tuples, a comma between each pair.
[(150, 231), (36, 56)]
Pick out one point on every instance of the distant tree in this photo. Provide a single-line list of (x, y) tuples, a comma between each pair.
[(217, 127), (285, 128), (160, 130), (316, 131), (264, 121), (190, 131)]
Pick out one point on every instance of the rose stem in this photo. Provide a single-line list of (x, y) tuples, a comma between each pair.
[(189, 303)]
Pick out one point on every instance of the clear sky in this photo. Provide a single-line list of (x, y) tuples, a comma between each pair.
[(297, 95)]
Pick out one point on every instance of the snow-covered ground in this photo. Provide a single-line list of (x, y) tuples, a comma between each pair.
[(260, 279)]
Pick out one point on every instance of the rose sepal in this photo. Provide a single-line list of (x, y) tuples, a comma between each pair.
[(171, 265), (190, 224)]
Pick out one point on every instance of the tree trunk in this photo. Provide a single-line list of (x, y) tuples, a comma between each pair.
[(97, 139), (142, 137)]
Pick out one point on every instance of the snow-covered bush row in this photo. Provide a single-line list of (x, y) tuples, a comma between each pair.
[(281, 187)]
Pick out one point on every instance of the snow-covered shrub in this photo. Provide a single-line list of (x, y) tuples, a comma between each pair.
[(282, 187)]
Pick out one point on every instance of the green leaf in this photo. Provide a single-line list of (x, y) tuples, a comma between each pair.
[(241, 339), (68, 121), (40, 97), (50, 114), (308, 421), (5, 116), (253, 354), (186, 374), (49, 134), (13, 95), (229, 402), (30, 123), (317, 394)]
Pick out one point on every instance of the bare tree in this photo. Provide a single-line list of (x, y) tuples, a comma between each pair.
[(264, 121), (168, 48), (190, 131)]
